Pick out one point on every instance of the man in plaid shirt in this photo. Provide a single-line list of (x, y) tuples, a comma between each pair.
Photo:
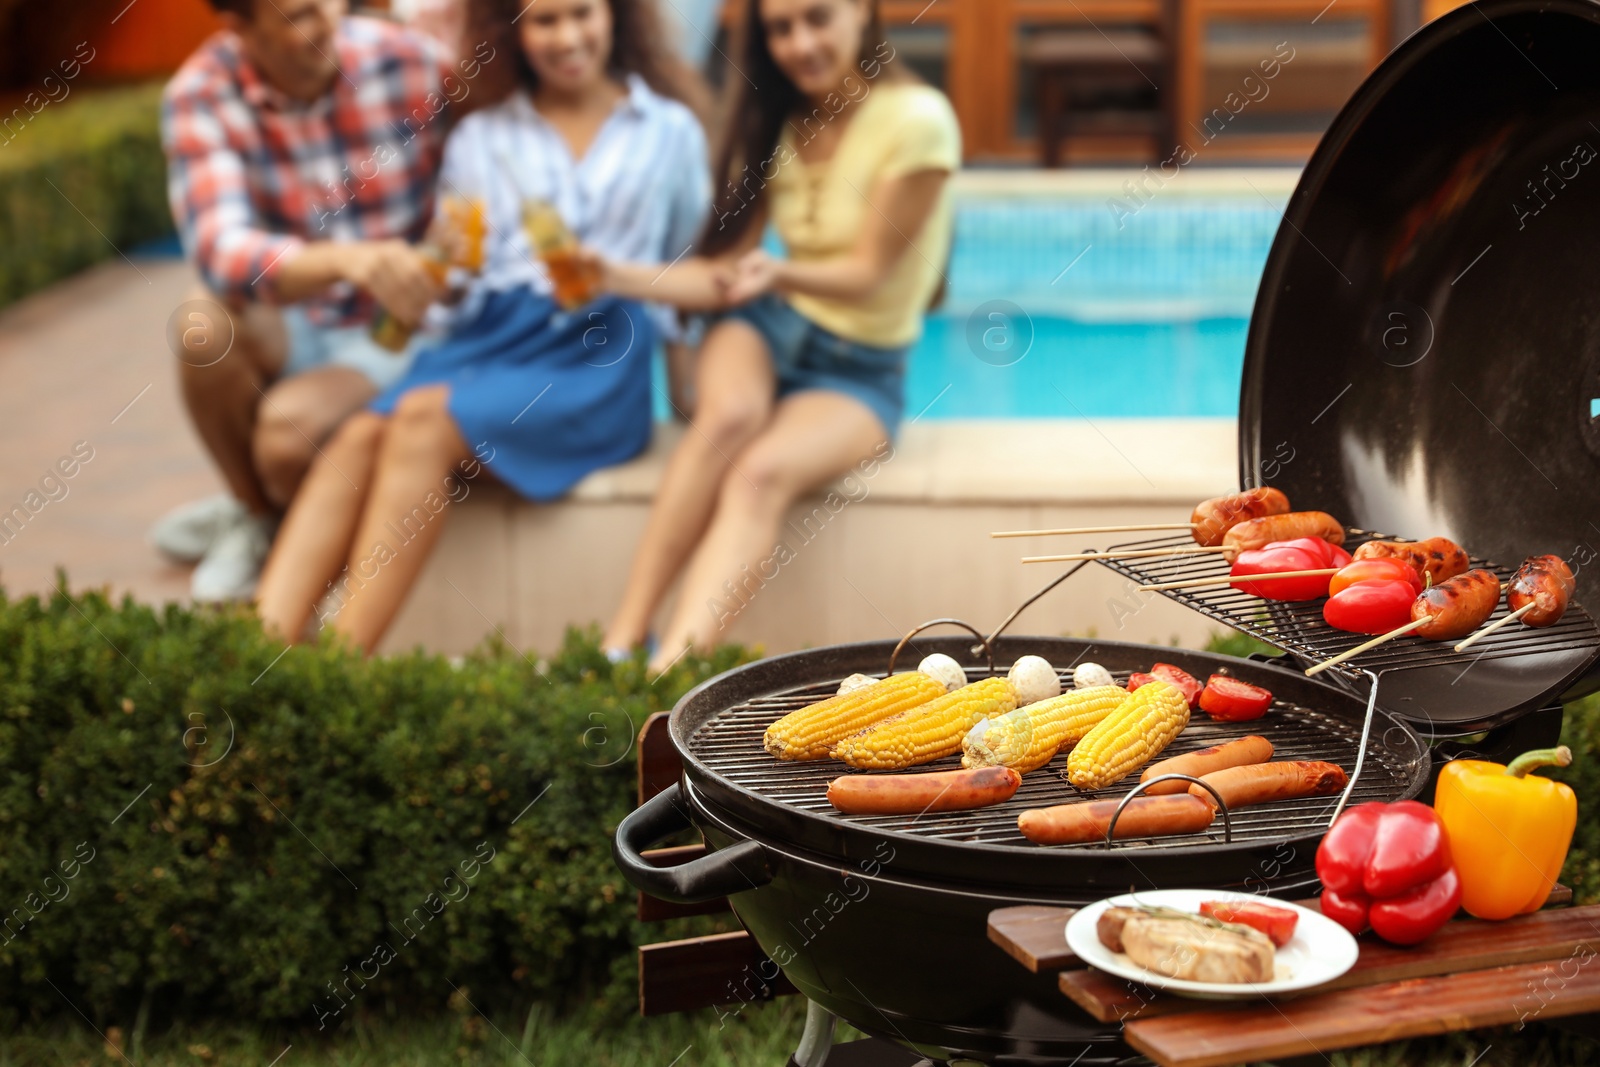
[(302, 149)]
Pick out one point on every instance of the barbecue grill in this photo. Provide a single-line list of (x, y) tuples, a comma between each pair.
[(881, 920), (1472, 421)]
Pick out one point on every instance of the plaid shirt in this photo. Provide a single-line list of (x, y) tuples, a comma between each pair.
[(252, 174)]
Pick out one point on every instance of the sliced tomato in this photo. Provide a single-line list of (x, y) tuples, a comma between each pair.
[(1180, 679), (1371, 607), (1374, 570), (1138, 678), (1227, 699), (1276, 923)]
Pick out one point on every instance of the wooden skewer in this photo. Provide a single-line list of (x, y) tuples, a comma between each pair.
[(1136, 553), (1096, 529), (1376, 641), (1230, 579), (1493, 626)]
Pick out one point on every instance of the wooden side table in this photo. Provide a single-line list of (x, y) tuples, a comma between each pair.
[(1470, 974)]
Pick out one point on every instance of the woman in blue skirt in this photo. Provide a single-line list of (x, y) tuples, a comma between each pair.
[(587, 114)]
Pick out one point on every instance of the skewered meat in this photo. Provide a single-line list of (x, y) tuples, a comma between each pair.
[(1458, 607), (1215, 517), (1437, 558), (1547, 583)]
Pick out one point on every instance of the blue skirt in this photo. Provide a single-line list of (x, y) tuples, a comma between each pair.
[(544, 396)]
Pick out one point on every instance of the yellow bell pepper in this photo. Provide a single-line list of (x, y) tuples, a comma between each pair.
[(1509, 831)]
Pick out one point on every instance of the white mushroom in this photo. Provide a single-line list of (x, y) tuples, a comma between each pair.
[(1034, 680), (944, 670), (1089, 675), (854, 682)]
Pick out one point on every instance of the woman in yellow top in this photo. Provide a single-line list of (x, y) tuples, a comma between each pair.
[(849, 156)]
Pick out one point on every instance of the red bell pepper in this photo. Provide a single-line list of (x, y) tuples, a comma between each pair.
[(1227, 699), (1138, 678), (1375, 570), (1415, 914), (1330, 554), (1283, 556), (1179, 679), (1370, 607), (1388, 866)]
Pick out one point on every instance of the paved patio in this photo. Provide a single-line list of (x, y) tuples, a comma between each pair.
[(86, 361)]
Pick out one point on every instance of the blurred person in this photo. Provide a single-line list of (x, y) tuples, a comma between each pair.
[(302, 147), (849, 157), (587, 118)]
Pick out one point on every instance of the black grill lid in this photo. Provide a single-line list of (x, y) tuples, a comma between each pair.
[(1425, 349)]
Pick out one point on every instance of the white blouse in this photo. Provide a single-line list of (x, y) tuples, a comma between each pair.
[(640, 193)]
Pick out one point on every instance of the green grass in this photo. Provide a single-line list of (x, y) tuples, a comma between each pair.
[(760, 1036)]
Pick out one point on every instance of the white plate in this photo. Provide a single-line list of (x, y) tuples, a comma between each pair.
[(1320, 951)]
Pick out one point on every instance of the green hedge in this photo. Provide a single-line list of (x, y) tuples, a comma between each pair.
[(255, 881), (79, 181)]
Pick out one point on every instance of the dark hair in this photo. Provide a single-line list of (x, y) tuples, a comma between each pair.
[(242, 8), (638, 46), (765, 100)]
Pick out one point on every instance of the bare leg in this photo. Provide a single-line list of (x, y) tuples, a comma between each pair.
[(734, 386), (418, 474), (316, 534), (222, 394), (814, 437), (296, 418)]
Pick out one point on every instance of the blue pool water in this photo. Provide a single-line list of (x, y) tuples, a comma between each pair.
[(1144, 318)]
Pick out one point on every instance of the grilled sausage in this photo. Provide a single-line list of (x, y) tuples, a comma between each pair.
[(1072, 824), (1458, 607), (1438, 558), (1261, 783), (1237, 753), (913, 794), (1215, 517), (1547, 583), (1257, 533)]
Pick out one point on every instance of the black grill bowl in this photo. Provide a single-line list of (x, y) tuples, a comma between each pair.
[(883, 920)]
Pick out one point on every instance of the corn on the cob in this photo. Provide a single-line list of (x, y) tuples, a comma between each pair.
[(1144, 724), (1027, 738), (926, 733), (810, 732)]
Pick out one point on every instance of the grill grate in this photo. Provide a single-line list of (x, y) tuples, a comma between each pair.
[(729, 744), (1298, 628)]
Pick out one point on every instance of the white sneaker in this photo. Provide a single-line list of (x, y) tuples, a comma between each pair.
[(185, 533), (232, 565)]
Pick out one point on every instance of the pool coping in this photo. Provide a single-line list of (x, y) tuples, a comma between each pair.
[(1087, 462), (1194, 181)]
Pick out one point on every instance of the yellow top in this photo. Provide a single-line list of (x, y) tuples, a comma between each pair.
[(819, 209)]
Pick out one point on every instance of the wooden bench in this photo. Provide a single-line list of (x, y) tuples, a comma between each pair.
[(1470, 974), (714, 970)]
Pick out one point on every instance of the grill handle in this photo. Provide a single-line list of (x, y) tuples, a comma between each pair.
[(722, 873), (985, 644), (1227, 819)]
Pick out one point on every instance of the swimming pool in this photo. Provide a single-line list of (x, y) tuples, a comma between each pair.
[(1064, 307)]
